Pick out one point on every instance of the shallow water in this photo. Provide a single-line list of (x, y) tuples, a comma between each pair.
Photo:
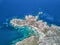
[(23, 33)]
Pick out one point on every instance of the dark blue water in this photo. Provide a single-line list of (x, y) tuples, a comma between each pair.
[(20, 8)]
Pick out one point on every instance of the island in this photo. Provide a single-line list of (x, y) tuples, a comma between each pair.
[(40, 33)]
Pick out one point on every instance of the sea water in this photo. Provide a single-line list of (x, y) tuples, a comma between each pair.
[(24, 32)]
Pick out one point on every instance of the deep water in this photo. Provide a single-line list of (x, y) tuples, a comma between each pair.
[(19, 8)]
